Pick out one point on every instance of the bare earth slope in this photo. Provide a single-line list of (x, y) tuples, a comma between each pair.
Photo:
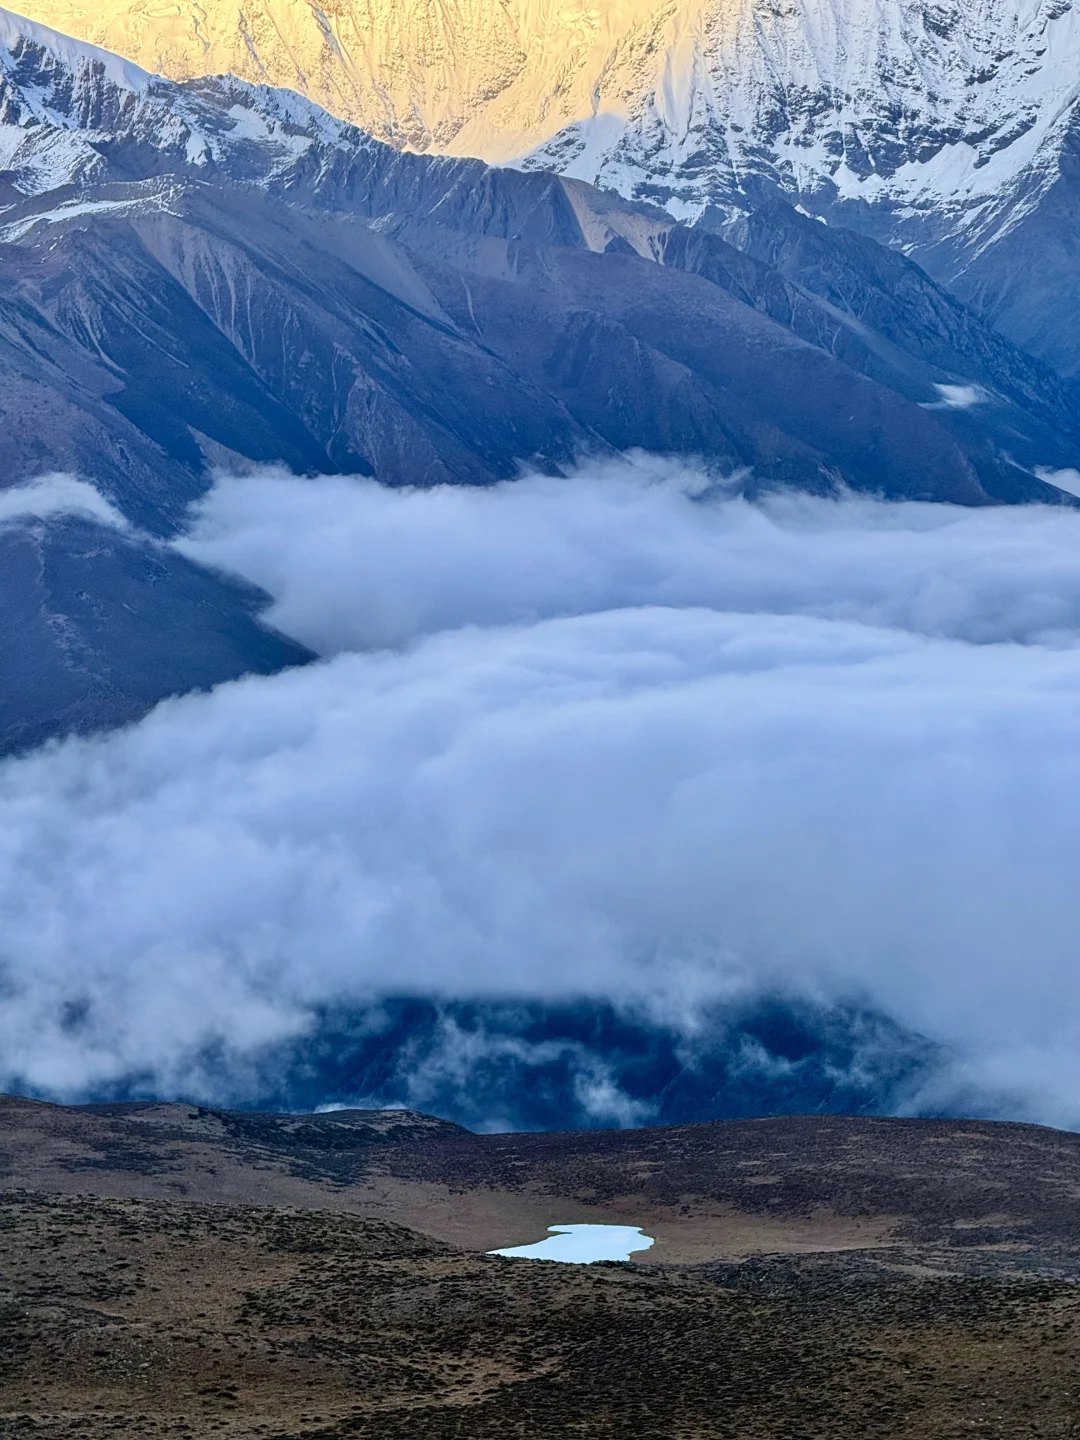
[(1005, 1195), (883, 1278)]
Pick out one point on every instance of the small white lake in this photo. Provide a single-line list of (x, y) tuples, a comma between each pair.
[(583, 1244)]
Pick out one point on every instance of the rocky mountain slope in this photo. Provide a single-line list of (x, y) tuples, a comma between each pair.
[(444, 313), (101, 624), (946, 129), (217, 273)]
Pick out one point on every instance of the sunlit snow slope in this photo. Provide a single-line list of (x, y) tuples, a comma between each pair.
[(938, 126), (691, 96)]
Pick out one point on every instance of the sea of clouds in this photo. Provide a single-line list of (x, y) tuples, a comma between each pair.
[(620, 737)]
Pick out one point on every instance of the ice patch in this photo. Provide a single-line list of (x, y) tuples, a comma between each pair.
[(582, 1244), (19, 228)]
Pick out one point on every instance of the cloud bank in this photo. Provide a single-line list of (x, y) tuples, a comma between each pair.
[(354, 565), (616, 739)]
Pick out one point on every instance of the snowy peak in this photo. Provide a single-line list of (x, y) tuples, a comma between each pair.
[(861, 95), (69, 74), (688, 102), (64, 103), (936, 126), (50, 86)]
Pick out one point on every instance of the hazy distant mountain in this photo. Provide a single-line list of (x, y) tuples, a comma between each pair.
[(946, 128)]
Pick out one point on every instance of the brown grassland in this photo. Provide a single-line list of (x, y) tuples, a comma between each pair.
[(174, 1272)]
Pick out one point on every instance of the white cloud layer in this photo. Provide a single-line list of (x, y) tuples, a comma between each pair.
[(354, 565), (1067, 480), (53, 495), (624, 739), (958, 397)]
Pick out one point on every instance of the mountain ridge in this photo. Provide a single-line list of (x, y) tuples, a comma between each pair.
[(957, 1192), (114, 145), (944, 129)]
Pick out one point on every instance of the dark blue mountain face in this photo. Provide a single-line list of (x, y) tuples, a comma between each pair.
[(518, 1065), (99, 624)]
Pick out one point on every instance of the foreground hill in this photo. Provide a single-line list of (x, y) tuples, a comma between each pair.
[(960, 1193), (163, 1319), (883, 1278)]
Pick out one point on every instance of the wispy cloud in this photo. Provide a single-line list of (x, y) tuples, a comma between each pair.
[(53, 495)]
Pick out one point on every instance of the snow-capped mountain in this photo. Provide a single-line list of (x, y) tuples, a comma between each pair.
[(218, 273), (938, 126), (914, 96), (90, 142), (65, 105), (697, 100)]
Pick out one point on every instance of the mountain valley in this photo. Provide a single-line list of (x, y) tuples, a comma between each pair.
[(627, 459)]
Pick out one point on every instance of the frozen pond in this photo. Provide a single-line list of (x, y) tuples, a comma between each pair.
[(583, 1244)]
